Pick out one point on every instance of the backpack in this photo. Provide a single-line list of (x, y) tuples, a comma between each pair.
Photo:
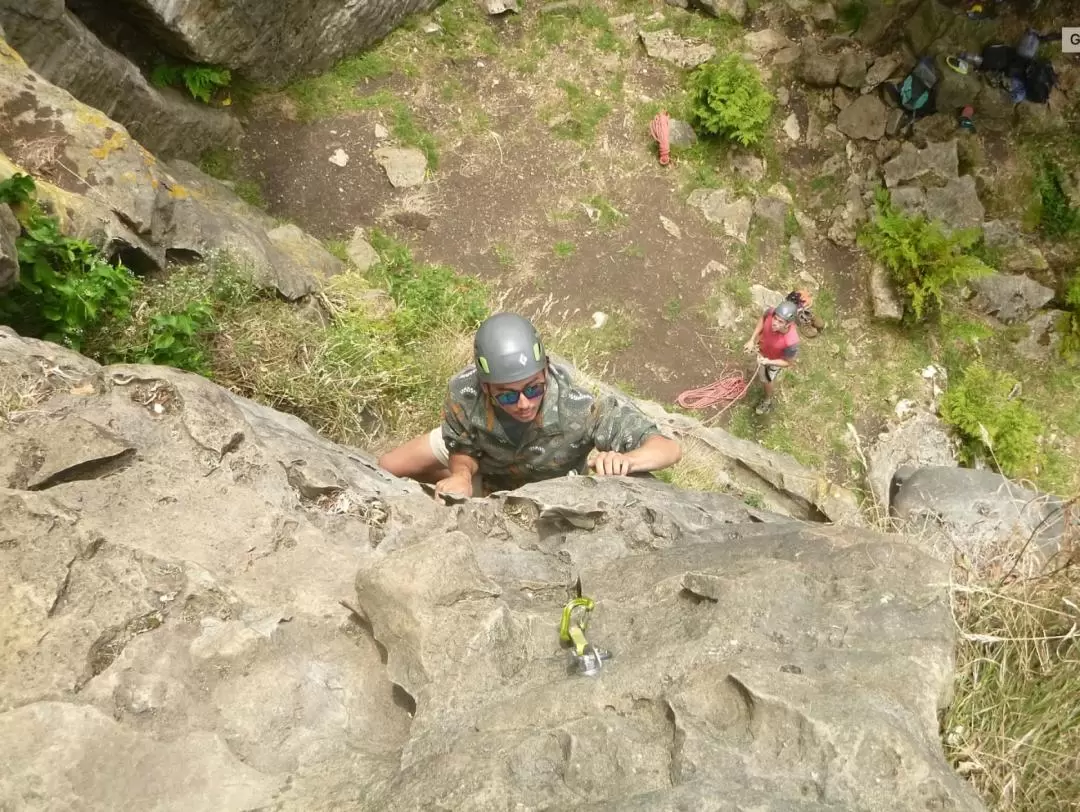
[(1000, 58), (1039, 79), (916, 93)]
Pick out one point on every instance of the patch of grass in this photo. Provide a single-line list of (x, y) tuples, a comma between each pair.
[(504, 254), (339, 248), (672, 309), (1057, 218), (852, 15), (336, 91), (1013, 728), (696, 471), (583, 115), (590, 349), (221, 164), (607, 218), (564, 249)]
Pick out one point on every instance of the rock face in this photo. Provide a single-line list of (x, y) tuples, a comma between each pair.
[(214, 609), (938, 162), (62, 50), (863, 118), (107, 188), (978, 513), (269, 42)]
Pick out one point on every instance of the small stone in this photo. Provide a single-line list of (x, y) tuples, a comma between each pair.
[(714, 267), (791, 127), (599, 319), (404, 167), (797, 251), (788, 56), (497, 7), (783, 96), (841, 98), (670, 47), (852, 72), (881, 70), (748, 165), (765, 42), (886, 303), (339, 158), (681, 134), (381, 133), (360, 252), (670, 227), (864, 118), (764, 298), (819, 70)]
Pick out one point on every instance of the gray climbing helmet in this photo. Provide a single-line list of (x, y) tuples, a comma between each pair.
[(785, 310), (508, 349)]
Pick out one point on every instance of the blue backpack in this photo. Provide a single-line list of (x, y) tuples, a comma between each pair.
[(916, 92)]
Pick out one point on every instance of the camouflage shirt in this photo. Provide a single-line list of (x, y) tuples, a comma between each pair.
[(571, 423)]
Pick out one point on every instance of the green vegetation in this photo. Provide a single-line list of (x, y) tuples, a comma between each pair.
[(993, 422), (335, 92), (201, 81), (607, 217), (1054, 212), (564, 249), (922, 258), (730, 101), (1069, 324), (585, 111), (67, 289), (851, 15), (220, 164), (1012, 727)]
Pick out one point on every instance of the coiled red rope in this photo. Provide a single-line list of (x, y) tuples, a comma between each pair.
[(728, 389), (661, 132)]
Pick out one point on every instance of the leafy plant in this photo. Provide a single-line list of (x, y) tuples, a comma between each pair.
[(1069, 323), (921, 256), (66, 287), (201, 81), (178, 339), (730, 101), (851, 15), (993, 423), (1057, 217)]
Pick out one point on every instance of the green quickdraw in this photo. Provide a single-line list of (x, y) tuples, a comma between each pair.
[(587, 658)]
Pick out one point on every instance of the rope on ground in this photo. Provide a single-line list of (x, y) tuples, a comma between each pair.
[(728, 389), (661, 131)]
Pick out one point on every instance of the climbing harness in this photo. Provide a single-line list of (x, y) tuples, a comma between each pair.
[(660, 128), (584, 656)]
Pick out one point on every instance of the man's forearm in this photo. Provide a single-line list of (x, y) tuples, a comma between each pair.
[(655, 453), (463, 464)]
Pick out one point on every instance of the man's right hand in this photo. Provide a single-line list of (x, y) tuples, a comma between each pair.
[(749, 345), (455, 484)]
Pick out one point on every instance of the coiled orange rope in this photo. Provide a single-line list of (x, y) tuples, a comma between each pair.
[(661, 132), (728, 389)]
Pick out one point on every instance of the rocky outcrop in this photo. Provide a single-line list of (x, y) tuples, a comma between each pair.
[(679, 51), (106, 187), (62, 50), (1010, 298), (268, 42), (980, 514), (209, 607)]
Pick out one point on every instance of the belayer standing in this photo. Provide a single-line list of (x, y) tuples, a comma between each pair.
[(776, 340)]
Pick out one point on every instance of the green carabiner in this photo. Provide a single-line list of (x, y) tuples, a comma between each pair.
[(571, 632)]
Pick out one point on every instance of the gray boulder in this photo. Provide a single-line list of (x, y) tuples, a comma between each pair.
[(978, 513), (863, 118), (679, 51), (884, 300), (720, 207), (736, 9), (1018, 254), (852, 73), (956, 203), (819, 70), (1042, 341), (9, 256), (1010, 298), (883, 68), (238, 614), (681, 134), (56, 44), (937, 163), (270, 42)]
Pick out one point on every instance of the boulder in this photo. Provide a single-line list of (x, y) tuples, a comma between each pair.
[(978, 514), (819, 70), (935, 128), (956, 203), (841, 98), (883, 297), (272, 43), (863, 118), (718, 206), (360, 252), (852, 73), (404, 166), (791, 127), (763, 298), (241, 615), (9, 255), (954, 90), (736, 9), (61, 49), (845, 221), (1042, 339), (1008, 297), (883, 68), (909, 200), (1018, 254), (937, 163), (764, 42), (773, 210), (670, 47), (305, 251), (919, 440), (680, 134), (788, 56), (747, 165)]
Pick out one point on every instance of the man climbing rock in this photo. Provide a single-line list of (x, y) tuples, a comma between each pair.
[(513, 417), (777, 341)]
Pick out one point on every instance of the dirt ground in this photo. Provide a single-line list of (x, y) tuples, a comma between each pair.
[(511, 196)]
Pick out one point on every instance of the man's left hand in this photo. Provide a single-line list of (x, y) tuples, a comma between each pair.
[(611, 463)]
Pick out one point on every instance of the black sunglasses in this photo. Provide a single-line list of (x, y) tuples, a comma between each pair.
[(532, 392)]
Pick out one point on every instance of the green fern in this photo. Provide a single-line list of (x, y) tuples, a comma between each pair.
[(1069, 323), (923, 259), (992, 423), (730, 101), (201, 81)]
